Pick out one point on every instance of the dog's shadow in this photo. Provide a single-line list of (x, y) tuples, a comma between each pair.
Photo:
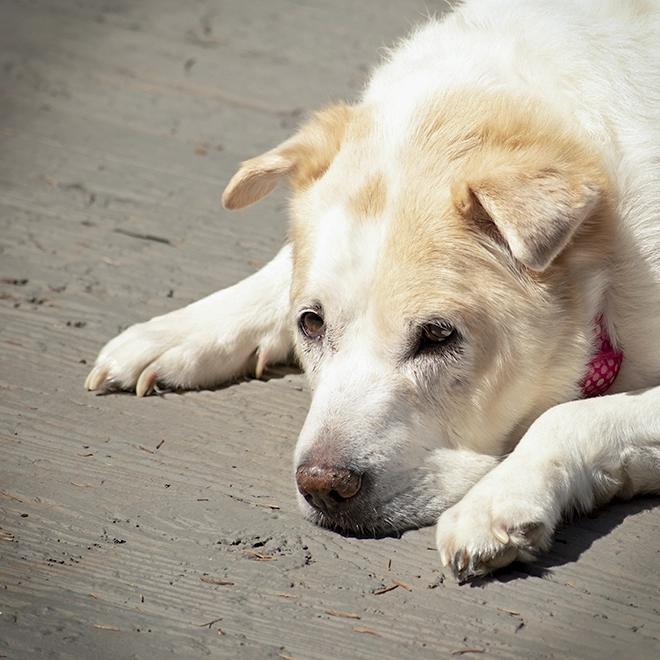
[(572, 539)]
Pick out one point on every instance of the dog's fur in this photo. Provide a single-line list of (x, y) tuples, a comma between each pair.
[(498, 182)]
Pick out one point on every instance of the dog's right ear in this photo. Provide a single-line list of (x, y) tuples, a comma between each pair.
[(302, 159)]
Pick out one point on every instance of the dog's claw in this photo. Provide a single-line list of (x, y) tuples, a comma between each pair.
[(461, 561), (146, 381), (468, 567), (96, 378), (262, 358), (522, 544), (444, 558), (500, 534)]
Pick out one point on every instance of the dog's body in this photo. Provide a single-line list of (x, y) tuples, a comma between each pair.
[(457, 238)]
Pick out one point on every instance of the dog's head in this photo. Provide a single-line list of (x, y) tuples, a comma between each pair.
[(447, 266)]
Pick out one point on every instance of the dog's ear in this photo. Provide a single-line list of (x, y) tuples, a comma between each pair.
[(302, 158), (536, 211)]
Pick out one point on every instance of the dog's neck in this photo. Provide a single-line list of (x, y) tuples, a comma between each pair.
[(603, 368)]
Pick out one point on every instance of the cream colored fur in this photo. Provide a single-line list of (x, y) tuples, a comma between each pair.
[(500, 177)]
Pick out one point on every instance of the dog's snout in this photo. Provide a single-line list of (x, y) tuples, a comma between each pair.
[(327, 488)]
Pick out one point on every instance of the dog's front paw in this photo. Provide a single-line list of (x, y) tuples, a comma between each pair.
[(165, 351), (182, 351), (486, 531), (215, 340)]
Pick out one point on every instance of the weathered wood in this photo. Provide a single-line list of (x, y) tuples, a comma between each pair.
[(120, 122)]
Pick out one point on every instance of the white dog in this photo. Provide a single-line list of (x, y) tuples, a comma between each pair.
[(475, 251)]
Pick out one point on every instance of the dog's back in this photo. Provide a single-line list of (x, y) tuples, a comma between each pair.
[(595, 60)]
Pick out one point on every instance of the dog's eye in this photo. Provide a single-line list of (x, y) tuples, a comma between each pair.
[(437, 332), (312, 325), (435, 335)]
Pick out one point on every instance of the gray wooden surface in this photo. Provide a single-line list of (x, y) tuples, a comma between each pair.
[(120, 123)]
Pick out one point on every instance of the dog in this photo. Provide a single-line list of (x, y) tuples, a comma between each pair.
[(472, 283)]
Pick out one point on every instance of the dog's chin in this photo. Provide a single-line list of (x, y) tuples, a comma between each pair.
[(366, 520)]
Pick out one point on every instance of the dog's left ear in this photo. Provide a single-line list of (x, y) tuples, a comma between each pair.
[(302, 158), (536, 211)]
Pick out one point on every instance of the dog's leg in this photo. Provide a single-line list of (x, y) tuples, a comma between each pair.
[(211, 341), (573, 457)]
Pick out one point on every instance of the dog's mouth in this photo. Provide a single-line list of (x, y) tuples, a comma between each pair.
[(355, 508), (350, 527)]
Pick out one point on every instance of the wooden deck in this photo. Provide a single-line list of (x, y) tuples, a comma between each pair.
[(167, 526)]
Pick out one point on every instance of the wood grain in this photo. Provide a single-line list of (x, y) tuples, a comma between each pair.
[(120, 122)]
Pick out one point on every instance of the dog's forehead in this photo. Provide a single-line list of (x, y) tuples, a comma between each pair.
[(386, 248), (380, 229), (342, 255)]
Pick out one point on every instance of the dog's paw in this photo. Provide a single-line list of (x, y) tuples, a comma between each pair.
[(215, 340), (486, 531), (167, 352), (190, 348), (129, 358)]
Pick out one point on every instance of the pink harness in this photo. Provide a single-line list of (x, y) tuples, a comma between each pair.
[(604, 366)]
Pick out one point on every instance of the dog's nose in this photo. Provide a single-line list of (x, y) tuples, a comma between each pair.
[(327, 488)]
